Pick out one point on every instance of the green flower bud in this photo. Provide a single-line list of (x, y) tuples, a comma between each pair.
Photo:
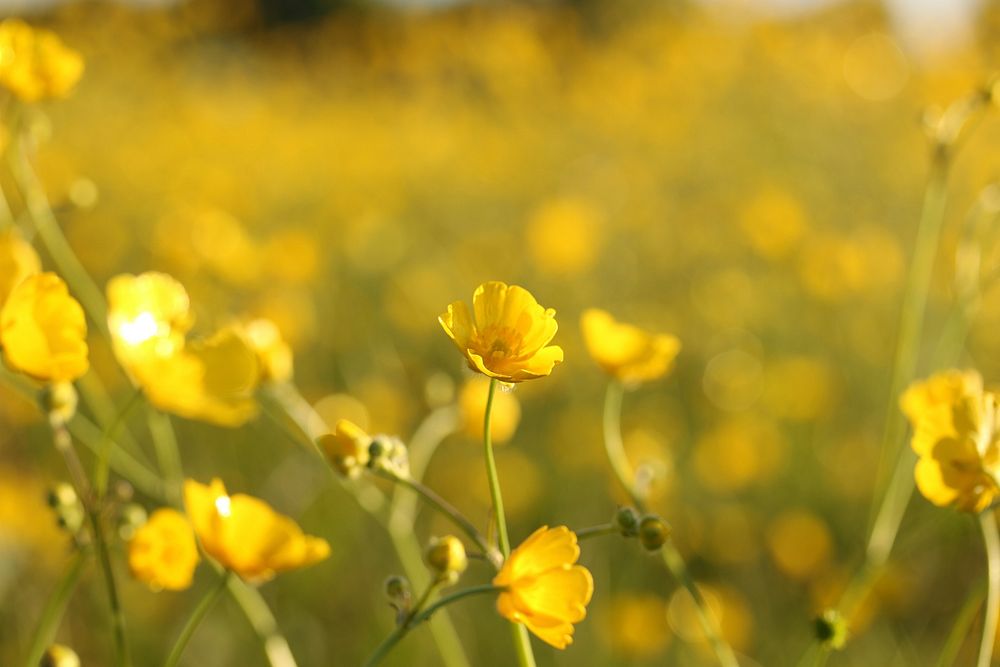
[(59, 401), (831, 629), (627, 520), (653, 532)]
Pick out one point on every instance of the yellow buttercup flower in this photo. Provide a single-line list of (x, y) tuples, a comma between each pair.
[(18, 260), (162, 553), (625, 351), (35, 64), (472, 405), (347, 448), (507, 335), (545, 589), (955, 435), (246, 535), (273, 354), (43, 330), (148, 315)]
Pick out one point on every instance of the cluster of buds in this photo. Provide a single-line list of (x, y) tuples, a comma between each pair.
[(350, 451), (652, 531), (68, 509)]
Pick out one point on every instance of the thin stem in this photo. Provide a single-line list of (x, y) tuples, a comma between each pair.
[(167, 454), (417, 618), (199, 613), (960, 629), (991, 539), (107, 443), (522, 643), (596, 531), (448, 510), (671, 557), (263, 623), (45, 631)]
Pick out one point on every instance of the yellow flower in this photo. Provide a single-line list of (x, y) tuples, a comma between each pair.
[(545, 589), (148, 315), (43, 330), (446, 556), (163, 553), (955, 435), (212, 380), (35, 64), (347, 448), (627, 352), (472, 405), (246, 535), (273, 354), (506, 335), (18, 260)]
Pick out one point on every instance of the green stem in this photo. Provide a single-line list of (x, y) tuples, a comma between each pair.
[(107, 443), (448, 510), (197, 616), (960, 629), (522, 643), (991, 539), (167, 454), (671, 557), (596, 531), (45, 631), (419, 617), (263, 623)]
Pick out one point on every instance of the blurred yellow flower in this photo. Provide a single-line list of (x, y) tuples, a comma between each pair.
[(35, 64), (472, 405), (546, 590), (507, 334), (636, 625), (162, 553), (246, 535), (627, 352), (212, 379), (43, 330), (273, 354), (800, 543), (564, 235), (18, 260), (148, 315), (346, 448), (955, 435)]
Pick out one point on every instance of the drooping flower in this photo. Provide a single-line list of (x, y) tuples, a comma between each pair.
[(35, 64), (545, 588), (43, 330), (507, 334), (347, 448), (18, 260), (245, 535), (626, 352), (955, 434), (162, 553)]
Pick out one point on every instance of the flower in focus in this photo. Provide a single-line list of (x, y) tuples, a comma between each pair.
[(35, 64), (545, 589), (148, 316), (627, 352), (955, 435), (246, 535), (507, 334), (43, 330), (472, 405), (273, 354), (162, 553), (18, 260), (347, 448)]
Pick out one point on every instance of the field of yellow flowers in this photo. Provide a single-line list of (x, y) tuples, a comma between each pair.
[(570, 333)]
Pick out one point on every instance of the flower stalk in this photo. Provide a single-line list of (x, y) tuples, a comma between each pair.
[(991, 540), (197, 616)]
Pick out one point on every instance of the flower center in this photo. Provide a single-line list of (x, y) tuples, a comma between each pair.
[(499, 344)]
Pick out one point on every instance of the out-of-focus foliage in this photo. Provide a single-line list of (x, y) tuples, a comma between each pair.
[(749, 185)]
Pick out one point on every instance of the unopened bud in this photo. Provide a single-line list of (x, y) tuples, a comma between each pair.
[(653, 532), (446, 556), (388, 453), (69, 512), (397, 590), (132, 518), (831, 629), (59, 401), (58, 655), (627, 521)]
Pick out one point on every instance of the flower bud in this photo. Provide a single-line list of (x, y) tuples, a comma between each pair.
[(347, 448), (132, 517), (58, 655), (69, 510), (627, 520), (831, 629), (397, 590), (59, 401), (388, 453), (446, 556), (653, 532)]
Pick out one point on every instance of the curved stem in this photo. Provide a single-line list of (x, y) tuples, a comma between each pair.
[(167, 454), (448, 510), (671, 557), (262, 621), (419, 617), (107, 443), (596, 531), (991, 539), (55, 606), (199, 613), (960, 628)]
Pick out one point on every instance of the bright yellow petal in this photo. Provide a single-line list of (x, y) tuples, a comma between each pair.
[(457, 323), (488, 303)]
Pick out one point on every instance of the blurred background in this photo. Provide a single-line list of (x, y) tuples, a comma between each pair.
[(744, 174)]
